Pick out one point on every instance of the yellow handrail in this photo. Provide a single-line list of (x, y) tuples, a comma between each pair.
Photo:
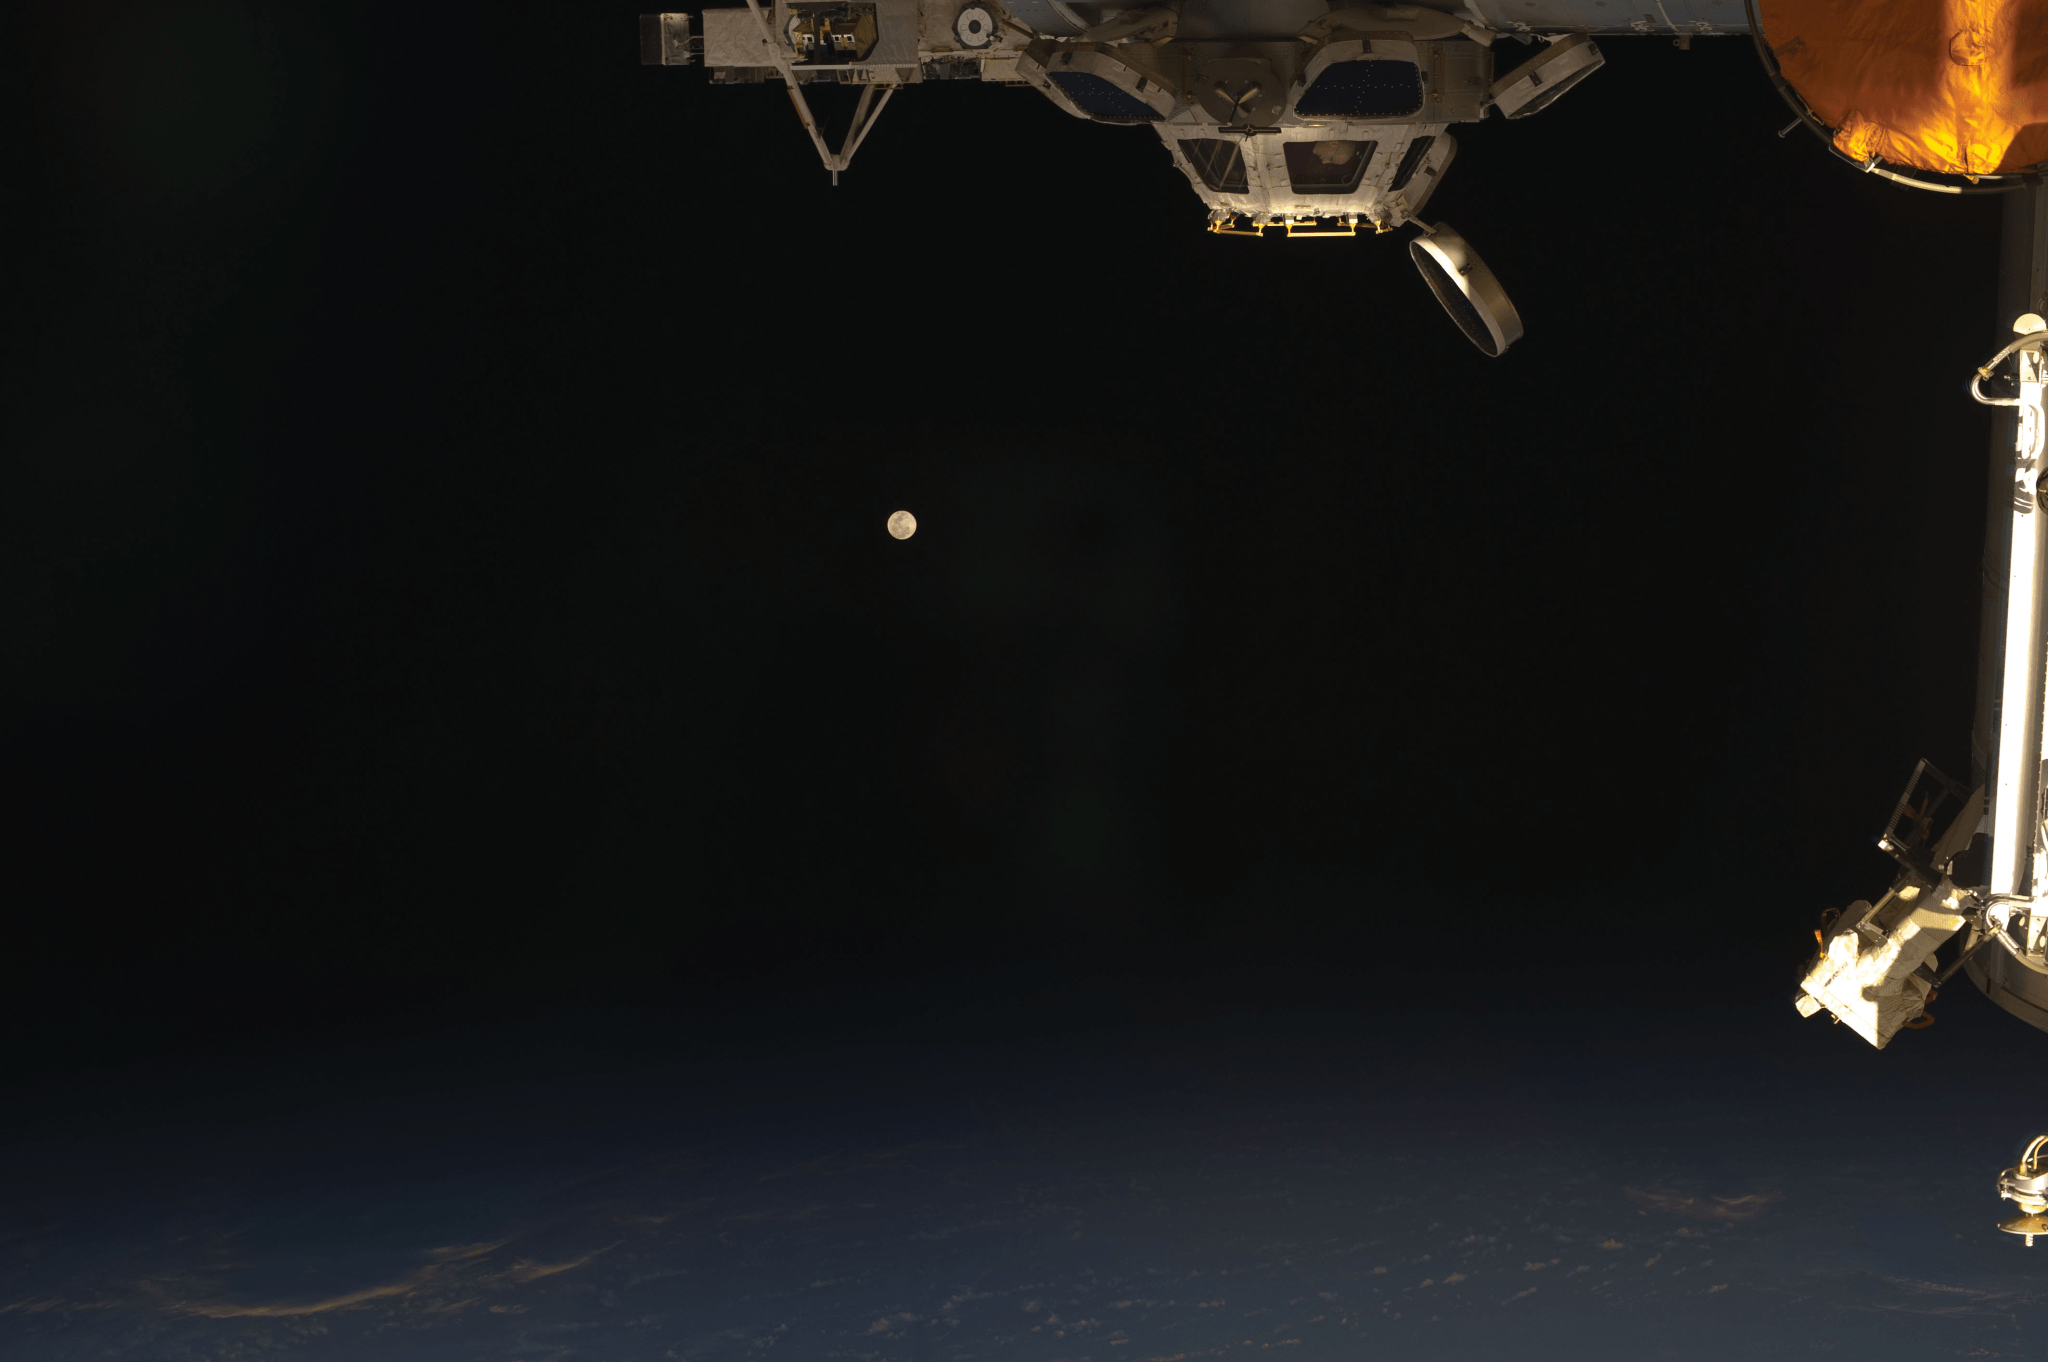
[(1346, 226)]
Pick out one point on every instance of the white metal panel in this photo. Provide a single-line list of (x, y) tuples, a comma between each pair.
[(1610, 16), (732, 38)]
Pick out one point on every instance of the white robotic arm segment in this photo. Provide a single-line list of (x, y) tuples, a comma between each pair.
[(1876, 972), (2018, 888)]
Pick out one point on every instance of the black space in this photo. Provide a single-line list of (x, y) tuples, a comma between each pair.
[(445, 574)]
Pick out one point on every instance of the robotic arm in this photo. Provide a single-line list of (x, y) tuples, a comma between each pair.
[(1877, 969)]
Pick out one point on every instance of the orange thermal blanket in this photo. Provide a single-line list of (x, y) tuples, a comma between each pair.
[(1959, 86)]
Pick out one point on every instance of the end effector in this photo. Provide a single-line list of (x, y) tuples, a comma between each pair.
[(2026, 1184), (1877, 972), (1876, 969)]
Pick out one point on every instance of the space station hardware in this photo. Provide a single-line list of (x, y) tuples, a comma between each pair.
[(665, 40), (1877, 966), (2026, 1183), (1466, 288), (1960, 106), (1312, 118)]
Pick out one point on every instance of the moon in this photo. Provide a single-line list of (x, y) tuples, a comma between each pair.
[(902, 525)]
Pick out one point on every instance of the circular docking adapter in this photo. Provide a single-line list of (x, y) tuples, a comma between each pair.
[(975, 27)]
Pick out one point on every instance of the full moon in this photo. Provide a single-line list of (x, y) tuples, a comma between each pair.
[(902, 525)]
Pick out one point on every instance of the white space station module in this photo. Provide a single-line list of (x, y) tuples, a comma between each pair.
[(1319, 117), (1300, 117)]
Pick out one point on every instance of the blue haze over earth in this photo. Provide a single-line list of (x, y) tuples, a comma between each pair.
[(1019, 1166)]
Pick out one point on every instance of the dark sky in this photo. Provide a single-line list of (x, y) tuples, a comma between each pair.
[(445, 573)]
